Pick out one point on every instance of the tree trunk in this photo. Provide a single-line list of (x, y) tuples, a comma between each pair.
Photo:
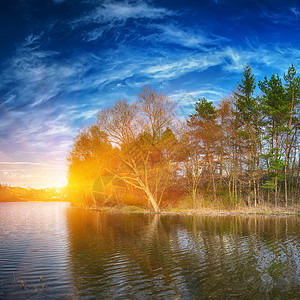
[(276, 177), (212, 176), (285, 186), (152, 200), (255, 200), (276, 190)]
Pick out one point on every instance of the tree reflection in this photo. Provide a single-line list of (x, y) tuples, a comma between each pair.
[(144, 256)]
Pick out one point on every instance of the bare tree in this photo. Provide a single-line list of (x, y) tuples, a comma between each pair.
[(120, 122), (142, 132), (157, 111)]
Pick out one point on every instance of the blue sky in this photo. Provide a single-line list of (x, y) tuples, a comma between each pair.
[(63, 60)]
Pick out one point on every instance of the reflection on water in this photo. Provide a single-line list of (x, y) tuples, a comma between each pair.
[(85, 254), (34, 244), (131, 256)]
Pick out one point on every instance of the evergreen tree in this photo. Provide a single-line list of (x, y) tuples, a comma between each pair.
[(292, 91), (276, 111), (204, 133), (247, 118), (246, 104)]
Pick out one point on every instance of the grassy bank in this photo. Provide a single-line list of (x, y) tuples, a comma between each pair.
[(238, 210)]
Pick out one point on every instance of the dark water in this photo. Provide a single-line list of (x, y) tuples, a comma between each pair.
[(85, 254)]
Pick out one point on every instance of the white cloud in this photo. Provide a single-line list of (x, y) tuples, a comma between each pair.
[(183, 65), (86, 114), (110, 11), (95, 34), (234, 60), (110, 14), (33, 40), (180, 94), (127, 10), (187, 37)]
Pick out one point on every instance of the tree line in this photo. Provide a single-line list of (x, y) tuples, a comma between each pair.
[(242, 151), (13, 194)]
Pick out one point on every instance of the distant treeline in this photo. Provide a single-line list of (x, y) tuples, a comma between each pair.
[(243, 151), (11, 194)]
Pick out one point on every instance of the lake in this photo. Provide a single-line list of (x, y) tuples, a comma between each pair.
[(87, 254)]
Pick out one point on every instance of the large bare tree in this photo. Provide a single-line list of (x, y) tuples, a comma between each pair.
[(142, 131)]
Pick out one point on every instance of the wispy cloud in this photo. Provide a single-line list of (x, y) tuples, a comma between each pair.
[(111, 14), (179, 66), (94, 34), (119, 11), (33, 41), (184, 36), (186, 99)]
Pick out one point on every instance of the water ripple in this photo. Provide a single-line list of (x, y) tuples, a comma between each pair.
[(85, 254)]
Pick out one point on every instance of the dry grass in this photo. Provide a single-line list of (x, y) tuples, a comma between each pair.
[(182, 209), (259, 210)]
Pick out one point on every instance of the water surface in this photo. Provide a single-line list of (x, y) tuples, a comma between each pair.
[(87, 254)]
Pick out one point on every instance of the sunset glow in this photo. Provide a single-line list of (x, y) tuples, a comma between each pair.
[(26, 174)]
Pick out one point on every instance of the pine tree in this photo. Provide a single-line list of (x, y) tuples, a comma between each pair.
[(247, 117), (292, 90), (204, 133), (276, 111)]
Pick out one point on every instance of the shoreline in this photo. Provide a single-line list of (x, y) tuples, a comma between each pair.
[(177, 211), (279, 211)]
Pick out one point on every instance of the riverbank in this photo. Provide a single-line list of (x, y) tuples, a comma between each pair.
[(237, 211), (213, 211)]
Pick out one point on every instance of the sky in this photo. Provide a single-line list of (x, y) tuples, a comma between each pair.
[(61, 61)]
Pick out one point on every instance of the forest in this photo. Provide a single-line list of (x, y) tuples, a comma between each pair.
[(242, 151)]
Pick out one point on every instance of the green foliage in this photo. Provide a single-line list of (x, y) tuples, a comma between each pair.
[(274, 104), (246, 104), (205, 111), (292, 84), (269, 184)]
